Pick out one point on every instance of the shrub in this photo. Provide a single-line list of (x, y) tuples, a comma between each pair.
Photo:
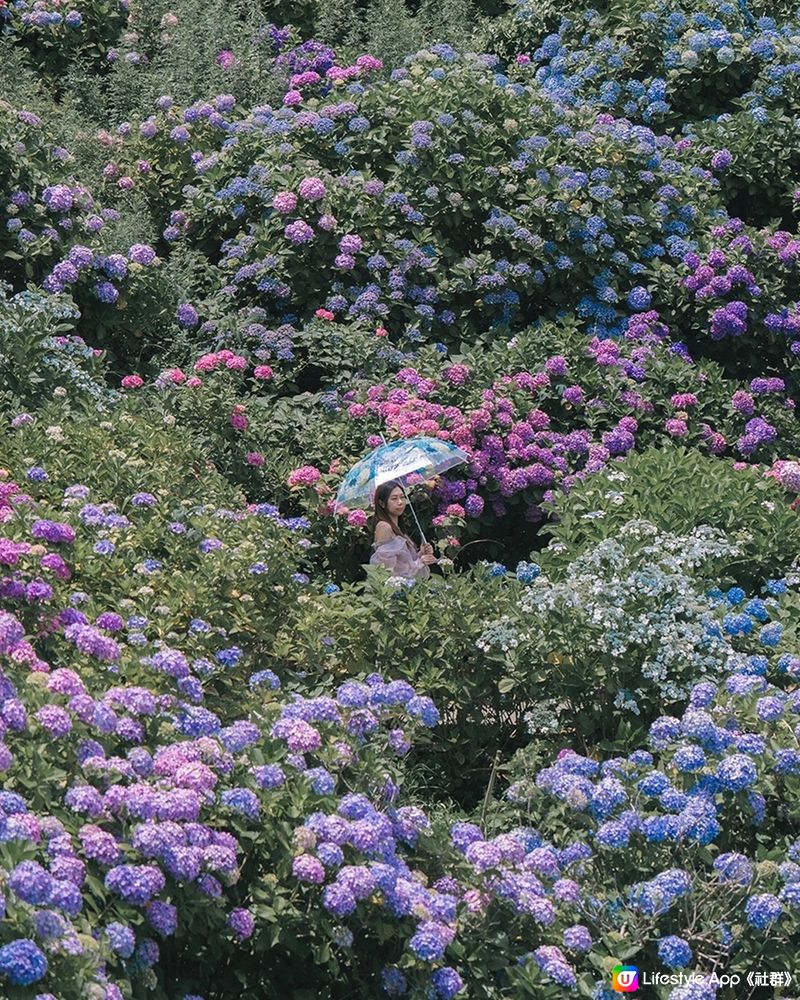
[(623, 630), (678, 490), (731, 312), (532, 910), (151, 772), (712, 786), (38, 356), (430, 632), (542, 413), (54, 39)]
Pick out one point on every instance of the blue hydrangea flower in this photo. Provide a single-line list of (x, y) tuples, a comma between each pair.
[(763, 910), (674, 952), (22, 962)]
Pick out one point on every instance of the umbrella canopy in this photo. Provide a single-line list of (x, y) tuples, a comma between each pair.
[(398, 460)]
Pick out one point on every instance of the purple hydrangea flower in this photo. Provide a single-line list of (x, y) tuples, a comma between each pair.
[(241, 923)]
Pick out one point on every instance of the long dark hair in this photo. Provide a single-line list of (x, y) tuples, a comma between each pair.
[(382, 494)]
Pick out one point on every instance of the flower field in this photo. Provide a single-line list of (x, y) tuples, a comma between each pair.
[(240, 246)]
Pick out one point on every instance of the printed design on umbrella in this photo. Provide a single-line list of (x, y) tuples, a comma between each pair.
[(424, 456)]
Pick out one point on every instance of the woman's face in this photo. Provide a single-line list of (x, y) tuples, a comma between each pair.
[(396, 502)]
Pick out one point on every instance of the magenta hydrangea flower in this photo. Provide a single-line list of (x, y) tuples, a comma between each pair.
[(306, 475), (285, 202)]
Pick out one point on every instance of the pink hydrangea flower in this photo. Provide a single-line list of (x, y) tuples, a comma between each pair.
[(207, 363), (239, 420), (304, 79), (226, 59), (132, 382), (677, 428), (455, 510), (284, 202), (306, 475), (457, 375), (368, 63), (311, 188), (298, 232), (790, 476)]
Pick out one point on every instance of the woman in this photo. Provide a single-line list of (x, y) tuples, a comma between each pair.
[(393, 548)]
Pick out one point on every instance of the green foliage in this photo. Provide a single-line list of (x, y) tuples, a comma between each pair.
[(522, 26), (176, 50), (391, 29), (38, 356), (679, 490), (426, 634), (55, 40)]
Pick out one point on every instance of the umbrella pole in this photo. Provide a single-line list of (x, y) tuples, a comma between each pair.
[(411, 505), (416, 519)]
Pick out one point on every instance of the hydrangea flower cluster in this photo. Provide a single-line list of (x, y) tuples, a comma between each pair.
[(635, 811), (520, 431), (730, 297), (632, 625), (161, 787)]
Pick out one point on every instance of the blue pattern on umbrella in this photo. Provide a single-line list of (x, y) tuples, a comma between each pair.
[(398, 460)]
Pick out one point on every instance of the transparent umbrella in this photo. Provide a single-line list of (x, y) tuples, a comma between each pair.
[(397, 461)]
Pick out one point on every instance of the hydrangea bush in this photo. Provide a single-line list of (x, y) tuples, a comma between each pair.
[(527, 193), (158, 777), (677, 489), (55, 35), (536, 415), (629, 626), (38, 354)]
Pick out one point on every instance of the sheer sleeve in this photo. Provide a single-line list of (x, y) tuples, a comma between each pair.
[(399, 556)]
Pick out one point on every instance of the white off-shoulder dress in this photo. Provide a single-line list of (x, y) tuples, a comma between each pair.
[(399, 555)]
